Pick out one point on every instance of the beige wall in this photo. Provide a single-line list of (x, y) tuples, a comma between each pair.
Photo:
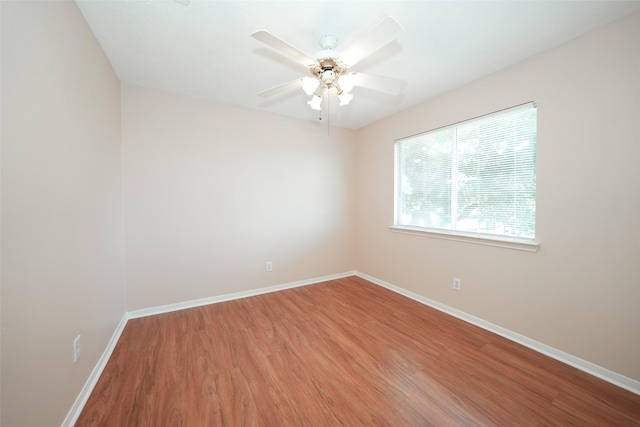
[(581, 292), (212, 192), (62, 227)]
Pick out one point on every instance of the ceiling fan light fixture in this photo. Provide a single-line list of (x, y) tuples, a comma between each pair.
[(315, 102), (328, 76), (309, 85)]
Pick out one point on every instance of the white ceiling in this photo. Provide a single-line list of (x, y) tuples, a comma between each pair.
[(204, 49)]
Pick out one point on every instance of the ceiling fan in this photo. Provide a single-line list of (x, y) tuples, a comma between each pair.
[(332, 69)]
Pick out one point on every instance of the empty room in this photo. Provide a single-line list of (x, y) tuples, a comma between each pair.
[(319, 213)]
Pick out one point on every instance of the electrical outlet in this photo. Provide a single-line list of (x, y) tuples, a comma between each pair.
[(76, 349), (269, 266), (457, 284)]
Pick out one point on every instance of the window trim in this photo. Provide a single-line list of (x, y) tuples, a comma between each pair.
[(501, 241), (497, 241)]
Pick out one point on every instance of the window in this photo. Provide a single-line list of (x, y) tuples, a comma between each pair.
[(475, 179)]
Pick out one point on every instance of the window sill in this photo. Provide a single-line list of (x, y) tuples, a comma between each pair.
[(476, 238)]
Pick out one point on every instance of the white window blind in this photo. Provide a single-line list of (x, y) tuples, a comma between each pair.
[(473, 178)]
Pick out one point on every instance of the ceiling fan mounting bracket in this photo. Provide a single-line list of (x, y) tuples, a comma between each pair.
[(328, 45), (328, 42)]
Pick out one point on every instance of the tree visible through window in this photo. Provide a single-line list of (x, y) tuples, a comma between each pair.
[(476, 177)]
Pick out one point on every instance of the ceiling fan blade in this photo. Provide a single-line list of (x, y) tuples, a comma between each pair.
[(294, 53), (382, 34), (293, 84), (387, 85)]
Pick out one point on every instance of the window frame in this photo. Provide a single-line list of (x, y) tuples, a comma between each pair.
[(495, 240)]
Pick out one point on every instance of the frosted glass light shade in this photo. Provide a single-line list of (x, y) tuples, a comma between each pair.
[(345, 98), (315, 102), (309, 85)]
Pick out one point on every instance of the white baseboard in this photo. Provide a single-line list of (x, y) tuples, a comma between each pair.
[(81, 400), (228, 297), (586, 366)]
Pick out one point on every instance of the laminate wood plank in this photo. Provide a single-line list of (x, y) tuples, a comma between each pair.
[(344, 352)]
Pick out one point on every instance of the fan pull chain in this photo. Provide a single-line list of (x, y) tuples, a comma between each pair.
[(328, 113)]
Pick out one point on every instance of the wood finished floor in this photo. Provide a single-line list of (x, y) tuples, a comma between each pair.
[(344, 352)]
